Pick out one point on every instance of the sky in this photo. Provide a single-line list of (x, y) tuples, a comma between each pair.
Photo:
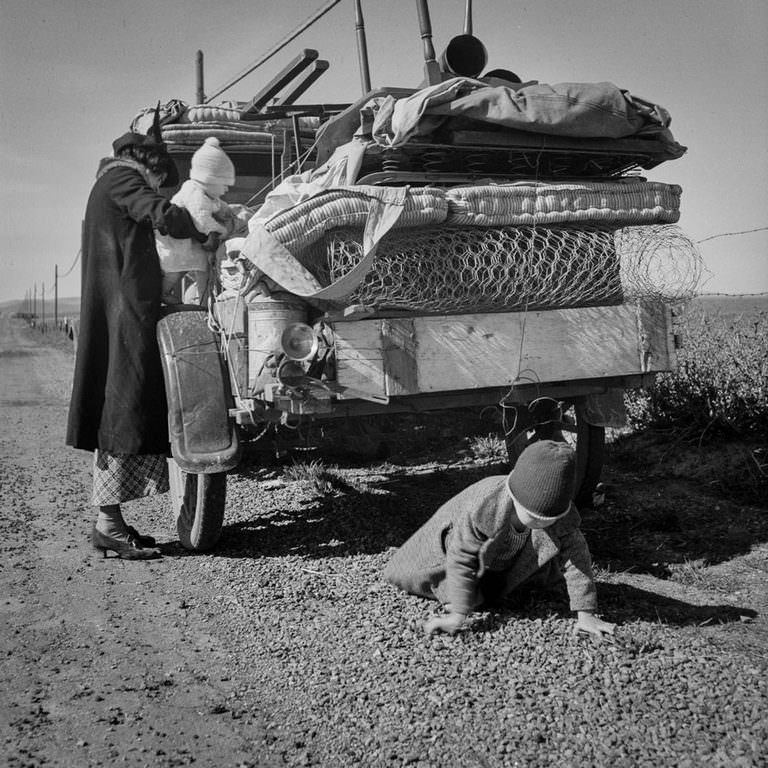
[(74, 73)]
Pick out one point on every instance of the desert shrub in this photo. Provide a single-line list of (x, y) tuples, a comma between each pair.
[(488, 447), (304, 471), (721, 382)]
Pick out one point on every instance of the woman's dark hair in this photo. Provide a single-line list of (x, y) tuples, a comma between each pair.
[(155, 160)]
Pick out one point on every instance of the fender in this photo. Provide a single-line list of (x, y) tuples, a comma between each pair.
[(204, 439)]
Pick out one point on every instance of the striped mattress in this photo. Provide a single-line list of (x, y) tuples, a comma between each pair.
[(617, 203), (300, 226), (228, 133)]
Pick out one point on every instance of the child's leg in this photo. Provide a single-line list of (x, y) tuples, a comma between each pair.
[(201, 283), (547, 583)]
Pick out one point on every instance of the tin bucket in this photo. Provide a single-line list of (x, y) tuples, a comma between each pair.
[(267, 319)]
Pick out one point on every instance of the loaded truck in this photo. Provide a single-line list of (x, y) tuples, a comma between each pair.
[(474, 240)]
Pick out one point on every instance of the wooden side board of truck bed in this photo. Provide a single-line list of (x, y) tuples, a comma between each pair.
[(390, 357)]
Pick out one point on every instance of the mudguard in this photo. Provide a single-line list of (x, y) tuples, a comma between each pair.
[(203, 437)]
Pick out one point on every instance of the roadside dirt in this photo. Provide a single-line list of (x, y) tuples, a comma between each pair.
[(107, 661)]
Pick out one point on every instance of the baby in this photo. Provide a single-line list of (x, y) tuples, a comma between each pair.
[(210, 176), (499, 534)]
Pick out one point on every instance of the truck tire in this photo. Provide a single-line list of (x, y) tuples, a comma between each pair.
[(198, 502), (587, 439)]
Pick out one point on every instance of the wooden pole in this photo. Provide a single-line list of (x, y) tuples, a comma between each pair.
[(468, 18), (56, 295), (362, 48), (431, 67), (200, 83)]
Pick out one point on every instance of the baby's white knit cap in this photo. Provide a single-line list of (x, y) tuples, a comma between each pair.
[(210, 164)]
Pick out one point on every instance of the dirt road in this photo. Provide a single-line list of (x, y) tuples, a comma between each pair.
[(284, 647), (103, 661)]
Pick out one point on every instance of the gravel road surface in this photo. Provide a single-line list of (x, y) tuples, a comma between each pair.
[(285, 648)]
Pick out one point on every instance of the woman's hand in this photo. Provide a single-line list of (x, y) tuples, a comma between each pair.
[(211, 243), (588, 622), (449, 623)]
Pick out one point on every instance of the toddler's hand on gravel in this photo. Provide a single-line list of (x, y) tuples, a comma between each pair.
[(591, 624), (450, 623)]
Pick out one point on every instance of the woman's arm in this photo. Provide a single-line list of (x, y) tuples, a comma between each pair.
[(132, 193)]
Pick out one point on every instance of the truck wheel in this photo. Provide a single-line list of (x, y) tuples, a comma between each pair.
[(197, 502), (587, 439)]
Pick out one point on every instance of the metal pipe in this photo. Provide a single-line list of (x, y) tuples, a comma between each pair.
[(277, 48), (362, 48), (465, 55)]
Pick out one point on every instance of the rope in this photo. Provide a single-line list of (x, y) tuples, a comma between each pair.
[(277, 48)]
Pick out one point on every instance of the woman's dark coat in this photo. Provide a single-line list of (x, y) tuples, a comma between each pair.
[(118, 398)]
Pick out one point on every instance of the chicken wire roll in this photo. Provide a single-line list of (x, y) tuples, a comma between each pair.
[(459, 269), (659, 262)]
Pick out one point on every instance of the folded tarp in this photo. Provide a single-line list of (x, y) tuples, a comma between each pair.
[(583, 110)]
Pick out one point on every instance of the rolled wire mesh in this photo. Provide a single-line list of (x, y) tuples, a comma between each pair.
[(658, 261), (463, 269)]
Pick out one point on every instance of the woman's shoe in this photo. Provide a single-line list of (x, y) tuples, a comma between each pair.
[(128, 550), (145, 541)]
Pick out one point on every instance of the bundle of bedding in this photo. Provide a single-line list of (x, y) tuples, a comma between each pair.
[(490, 247)]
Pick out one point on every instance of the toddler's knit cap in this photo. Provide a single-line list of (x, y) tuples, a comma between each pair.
[(544, 477), (210, 164)]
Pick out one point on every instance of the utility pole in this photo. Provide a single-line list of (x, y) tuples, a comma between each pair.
[(34, 301), (42, 319), (55, 295)]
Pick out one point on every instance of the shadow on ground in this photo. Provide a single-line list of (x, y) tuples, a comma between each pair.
[(622, 603), (658, 515)]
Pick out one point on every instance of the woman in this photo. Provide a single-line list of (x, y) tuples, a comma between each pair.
[(118, 406)]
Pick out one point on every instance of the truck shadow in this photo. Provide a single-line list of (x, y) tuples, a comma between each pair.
[(344, 520), (664, 537)]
